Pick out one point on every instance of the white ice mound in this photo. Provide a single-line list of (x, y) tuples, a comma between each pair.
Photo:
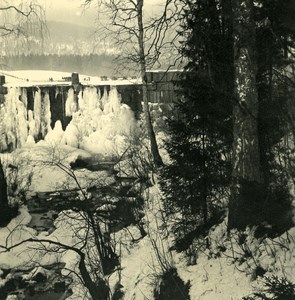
[(55, 136), (100, 124), (99, 121)]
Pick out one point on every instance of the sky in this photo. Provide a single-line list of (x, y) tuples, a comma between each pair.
[(72, 11), (69, 11)]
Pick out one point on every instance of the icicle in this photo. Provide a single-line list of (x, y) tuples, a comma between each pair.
[(114, 101), (104, 98), (37, 112), (91, 98), (22, 124), (71, 136), (71, 105), (32, 124), (99, 103), (46, 115), (9, 114), (81, 102), (24, 97)]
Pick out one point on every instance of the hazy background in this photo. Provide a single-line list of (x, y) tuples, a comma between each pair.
[(70, 43), (73, 11)]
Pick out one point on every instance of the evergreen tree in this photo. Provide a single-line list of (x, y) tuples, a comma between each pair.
[(246, 192), (274, 40), (260, 190), (220, 75), (196, 181)]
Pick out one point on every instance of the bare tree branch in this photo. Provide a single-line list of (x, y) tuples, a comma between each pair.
[(19, 11)]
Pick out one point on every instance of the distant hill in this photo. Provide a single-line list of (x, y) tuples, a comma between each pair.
[(65, 32), (93, 65), (67, 47), (60, 38)]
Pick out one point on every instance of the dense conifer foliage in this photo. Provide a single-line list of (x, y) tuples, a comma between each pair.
[(212, 136), (196, 181), (274, 41)]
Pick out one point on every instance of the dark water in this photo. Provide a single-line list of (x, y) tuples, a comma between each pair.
[(47, 296)]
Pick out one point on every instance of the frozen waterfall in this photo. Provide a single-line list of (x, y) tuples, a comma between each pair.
[(93, 119)]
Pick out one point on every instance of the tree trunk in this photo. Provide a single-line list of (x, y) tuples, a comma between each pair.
[(99, 290), (247, 187), (154, 146), (4, 207)]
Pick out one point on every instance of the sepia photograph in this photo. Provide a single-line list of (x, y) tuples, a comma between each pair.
[(147, 149)]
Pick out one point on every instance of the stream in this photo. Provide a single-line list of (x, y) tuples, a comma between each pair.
[(44, 208)]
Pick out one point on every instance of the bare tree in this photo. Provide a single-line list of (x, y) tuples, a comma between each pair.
[(17, 18), (140, 42), (19, 21), (88, 220), (97, 289)]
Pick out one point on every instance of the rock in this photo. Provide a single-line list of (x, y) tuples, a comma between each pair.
[(10, 286), (54, 216), (31, 290), (59, 287), (4, 273), (12, 297), (39, 277)]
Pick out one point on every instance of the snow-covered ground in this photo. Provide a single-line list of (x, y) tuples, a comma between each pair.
[(213, 277), (226, 274), (103, 127)]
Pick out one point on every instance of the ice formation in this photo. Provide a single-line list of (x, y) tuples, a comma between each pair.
[(54, 137), (37, 112), (100, 123), (13, 126), (18, 124), (45, 115), (71, 105)]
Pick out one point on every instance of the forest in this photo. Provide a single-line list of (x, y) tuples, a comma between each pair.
[(95, 65)]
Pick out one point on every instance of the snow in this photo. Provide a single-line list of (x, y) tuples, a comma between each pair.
[(42, 163), (13, 128), (210, 278), (216, 275), (26, 78), (15, 232), (102, 125), (46, 115), (34, 255), (71, 136), (18, 123), (55, 136), (37, 112), (71, 105)]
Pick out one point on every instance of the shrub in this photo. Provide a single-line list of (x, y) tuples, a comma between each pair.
[(275, 288), (171, 286)]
